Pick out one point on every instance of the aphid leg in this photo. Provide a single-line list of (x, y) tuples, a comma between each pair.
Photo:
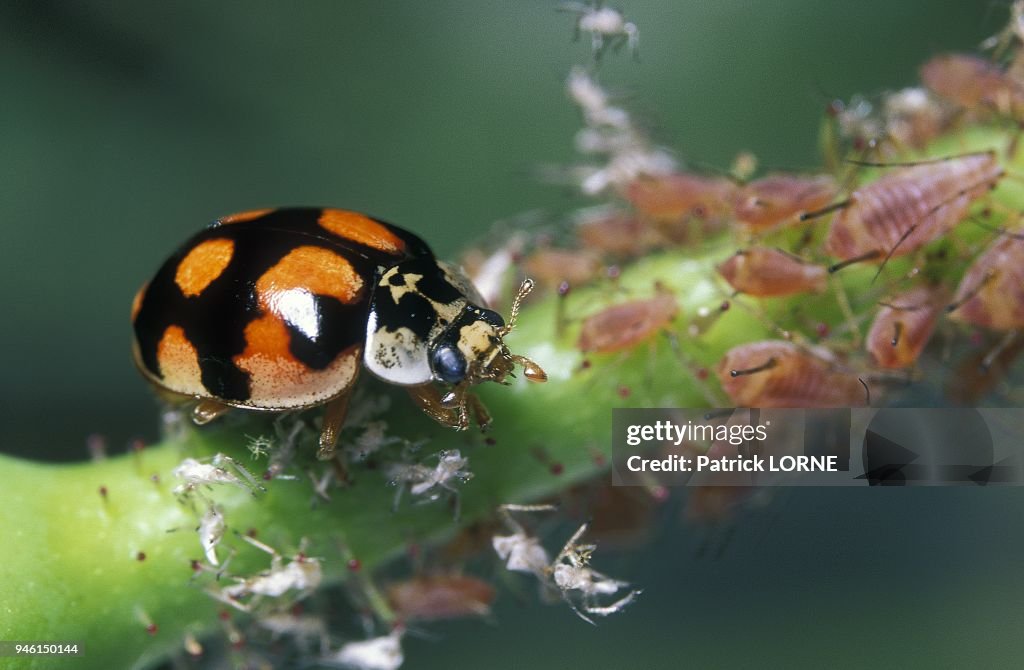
[(207, 410), (847, 311), (869, 256), (997, 351), (334, 418), (479, 410), (430, 401)]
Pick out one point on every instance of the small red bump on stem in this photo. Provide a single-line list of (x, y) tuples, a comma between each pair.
[(564, 288), (141, 556), (224, 615), (613, 271), (252, 532), (623, 391), (151, 629), (137, 445), (585, 364), (702, 374), (196, 565), (821, 329), (268, 475), (724, 307), (557, 469), (103, 492), (354, 565)]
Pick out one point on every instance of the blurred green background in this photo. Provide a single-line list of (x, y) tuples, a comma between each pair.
[(127, 126)]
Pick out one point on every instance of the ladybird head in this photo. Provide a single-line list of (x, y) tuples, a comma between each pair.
[(473, 350)]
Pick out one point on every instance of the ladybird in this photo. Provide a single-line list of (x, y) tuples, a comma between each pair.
[(279, 309)]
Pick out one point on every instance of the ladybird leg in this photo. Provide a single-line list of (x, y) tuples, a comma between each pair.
[(431, 402), (480, 413), (207, 410), (334, 418)]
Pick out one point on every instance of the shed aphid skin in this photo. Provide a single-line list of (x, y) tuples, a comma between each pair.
[(569, 573), (301, 574), (903, 326), (607, 27), (195, 474), (781, 198), (763, 272), (776, 373), (378, 653), (211, 532), (428, 483), (907, 208), (279, 309), (991, 293)]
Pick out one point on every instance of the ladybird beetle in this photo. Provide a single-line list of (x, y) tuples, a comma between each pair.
[(275, 309)]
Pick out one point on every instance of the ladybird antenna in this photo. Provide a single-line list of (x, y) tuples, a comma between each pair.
[(524, 290)]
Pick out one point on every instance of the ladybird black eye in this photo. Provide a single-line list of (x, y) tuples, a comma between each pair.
[(449, 364)]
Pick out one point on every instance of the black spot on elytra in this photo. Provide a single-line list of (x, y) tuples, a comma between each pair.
[(214, 321), (339, 327)]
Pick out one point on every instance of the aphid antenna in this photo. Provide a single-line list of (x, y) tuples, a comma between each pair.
[(871, 255), (828, 209), (995, 229), (767, 365), (923, 161), (867, 391), (953, 306)]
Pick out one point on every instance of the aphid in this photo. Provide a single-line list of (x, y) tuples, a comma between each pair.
[(429, 483), (550, 267), (909, 207), (672, 198), (595, 103), (974, 83), (194, 474), (571, 571), (616, 233), (903, 326), (914, 117), (781, 198), (767, 272), (279, 310), (301, 573), (607, 27), (379, 653), (627, 324), (991, 293), (776, 373), (440, 596)]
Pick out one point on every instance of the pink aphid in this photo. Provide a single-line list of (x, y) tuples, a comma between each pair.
[(776, 373), (991, 294), (674, 197), (624, 326), (974, 83), (903, 326), (766, 272), (909, 207), (781, 198)]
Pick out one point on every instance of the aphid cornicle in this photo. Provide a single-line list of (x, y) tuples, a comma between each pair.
[(278, 309)]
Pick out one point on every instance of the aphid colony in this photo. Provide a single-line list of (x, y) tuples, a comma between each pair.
[(794, 233)]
